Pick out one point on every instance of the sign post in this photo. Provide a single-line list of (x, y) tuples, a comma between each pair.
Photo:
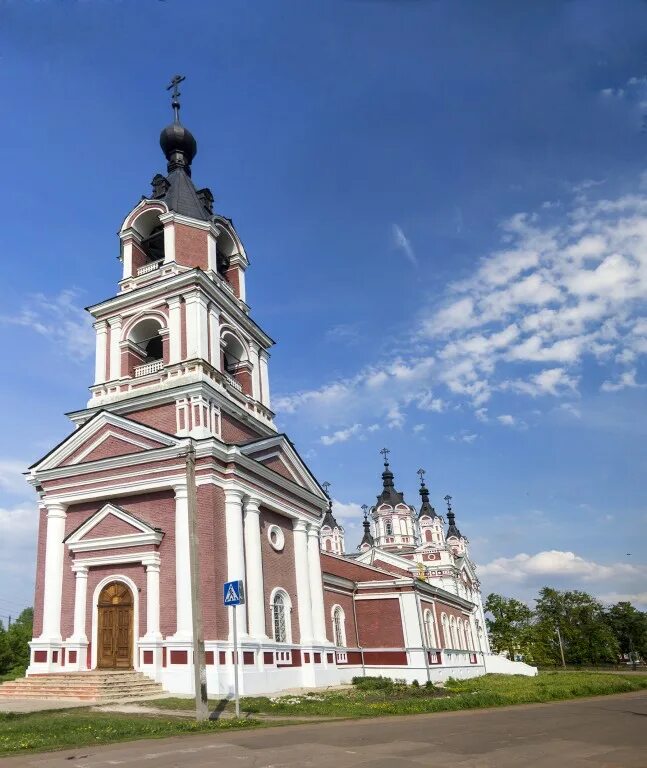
[(233, 596)]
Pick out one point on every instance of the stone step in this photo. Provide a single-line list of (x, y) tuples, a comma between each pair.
[(93, 686)]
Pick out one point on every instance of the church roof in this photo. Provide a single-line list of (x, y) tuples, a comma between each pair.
[(389, 494), (182, 197), (426, 507)]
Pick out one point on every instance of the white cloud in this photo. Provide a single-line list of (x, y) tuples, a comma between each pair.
[(348, 512), (59, 319), (565, 570), (565, 285), (341, 435), (402, 243), (417, 428), (11, 477), (507, 420), (18, 533), (463, 437)]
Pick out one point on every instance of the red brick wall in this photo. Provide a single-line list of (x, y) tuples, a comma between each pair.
[(279, 467), (191, 248), (111, 446), (40, 572), (278, 568), (235, 432), (380, 623), (139, 258), (103, 450), (111, 526), (232, 276), (346, 602), (213, 560), (157, 509), (392, 568), (160, 417)]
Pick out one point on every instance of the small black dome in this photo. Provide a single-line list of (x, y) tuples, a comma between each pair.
[(176, 138)]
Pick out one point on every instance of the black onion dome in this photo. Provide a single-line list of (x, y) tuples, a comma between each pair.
[(176, 138)]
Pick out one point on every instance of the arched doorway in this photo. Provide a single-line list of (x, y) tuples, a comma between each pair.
[(116, 618)]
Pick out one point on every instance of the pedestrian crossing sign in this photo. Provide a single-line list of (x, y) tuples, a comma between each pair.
[(233, 593)]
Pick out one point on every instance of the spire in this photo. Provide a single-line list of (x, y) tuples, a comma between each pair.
[(329, 518), (389, 495), (426, 508), (451, 518), (367, 538), (177, 142), (180, 147)]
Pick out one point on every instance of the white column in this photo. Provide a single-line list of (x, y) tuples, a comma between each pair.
[(214, 337), (256, 379), (212, 254), (101, 328), (115, 348), (196, 327), (54, 559), (316, 586), (304, 604), (127, 258), (184, 628), (265, 379), (254, 563), (80, 599), (169, 238), (153, 599), (174, 329), (235, 550)]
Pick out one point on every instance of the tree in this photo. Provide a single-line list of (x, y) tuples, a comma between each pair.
[(510, 625), (629, 625), (586, 634)]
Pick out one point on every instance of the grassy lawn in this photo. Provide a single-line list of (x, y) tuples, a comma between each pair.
[(42, 731), (378, 696)]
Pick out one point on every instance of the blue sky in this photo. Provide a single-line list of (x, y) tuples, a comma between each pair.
[(445, 206)]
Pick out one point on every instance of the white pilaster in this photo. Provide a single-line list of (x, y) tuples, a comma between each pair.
[(127, 258), (80, 600), (54, 559), (212, 255), (254, 563), (174, 329), (153, 598), (101, 327), (235, 550), (256, 378), (196, 327), (214, 337), (115, 348), (265, 378), (184, 628), (304, 602), (169, 239), (316, 586)]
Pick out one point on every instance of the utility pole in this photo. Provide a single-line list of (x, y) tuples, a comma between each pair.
[(632, 655), (199, 667), (561, 647)]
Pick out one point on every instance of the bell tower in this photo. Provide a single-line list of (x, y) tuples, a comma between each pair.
[(177, 348)]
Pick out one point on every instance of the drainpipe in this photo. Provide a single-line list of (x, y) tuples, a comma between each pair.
[(421, 624), (361, 650)]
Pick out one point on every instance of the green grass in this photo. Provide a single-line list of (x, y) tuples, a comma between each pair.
[(43, 731), (13, 674), (393, 699)]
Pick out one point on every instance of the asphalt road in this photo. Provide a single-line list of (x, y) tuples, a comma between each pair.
[(609, 732)]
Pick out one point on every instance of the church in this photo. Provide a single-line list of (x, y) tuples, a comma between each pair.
[(182, 368)]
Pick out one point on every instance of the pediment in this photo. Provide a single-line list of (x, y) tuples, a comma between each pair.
[(112, 527), (104, 436), (278, 454)]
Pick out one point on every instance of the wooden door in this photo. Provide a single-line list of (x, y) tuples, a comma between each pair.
[(115, 627)]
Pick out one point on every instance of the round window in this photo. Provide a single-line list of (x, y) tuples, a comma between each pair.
[(276, 537)]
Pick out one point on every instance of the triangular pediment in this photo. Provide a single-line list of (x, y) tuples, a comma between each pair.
[(111, 527), (106, 435), (278, 454)]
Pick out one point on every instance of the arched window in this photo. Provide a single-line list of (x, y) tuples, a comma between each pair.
[(339, 626), (428, 535), (235, 361), (281, 616), (462, 640), (146, 347), (452, 630), (446, 638), (428, 621), (328, 545), (151, 231), (469, 636), (388, 528)]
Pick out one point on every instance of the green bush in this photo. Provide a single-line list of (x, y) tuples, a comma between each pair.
[(373, 683), (415, 684)]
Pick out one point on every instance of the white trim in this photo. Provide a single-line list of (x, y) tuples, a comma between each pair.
[(101, 439), (134, 557), (95, 616), (279, 544)]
